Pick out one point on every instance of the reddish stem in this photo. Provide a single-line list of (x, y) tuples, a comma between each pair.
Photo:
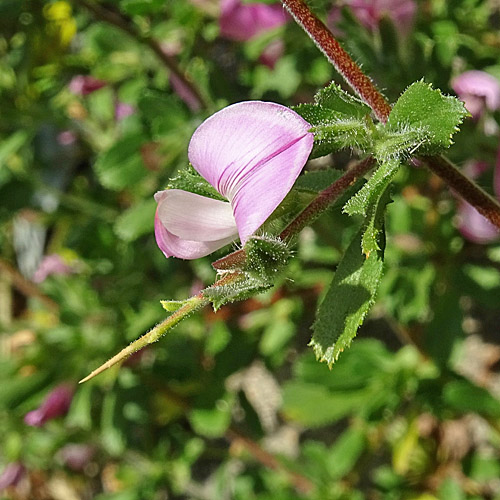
[(485, 204), (342, 61), (322, 202)]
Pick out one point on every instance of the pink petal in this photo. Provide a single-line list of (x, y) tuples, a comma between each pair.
[(251, 152), (241, 22), (190, 226)]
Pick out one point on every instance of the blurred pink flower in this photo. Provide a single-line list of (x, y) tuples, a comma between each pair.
[(51, 264), (272, 53), (370, 12), (241, 22), (474, 226), (251, 153), (56, 404), (471, 223), (12, 474), (479, 90), (122, 110), (76, 456), (66, 138), (84, 85), (185, 93)]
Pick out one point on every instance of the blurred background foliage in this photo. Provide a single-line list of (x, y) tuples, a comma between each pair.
[(95, 116)]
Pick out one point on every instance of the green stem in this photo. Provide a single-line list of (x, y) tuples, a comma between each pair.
[(191, 305)]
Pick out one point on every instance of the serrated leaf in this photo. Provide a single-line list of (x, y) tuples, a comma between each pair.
[(136, 221), (373, 239), (334, 98), (190, 180), (400, 143), (317, 180), (423, 108), (347, 301), (122, 164), (368, 195)]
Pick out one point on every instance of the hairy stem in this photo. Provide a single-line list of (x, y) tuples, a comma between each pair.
[(311, 212), (121, 21), (342, 61), (364, 87), (485, 204)]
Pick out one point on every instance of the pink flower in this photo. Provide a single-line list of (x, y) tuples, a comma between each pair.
[(251, 153), (51, 264), (241, 22), (479, 90), (11, 475), (370, 12), (56, 404), (84, 85)]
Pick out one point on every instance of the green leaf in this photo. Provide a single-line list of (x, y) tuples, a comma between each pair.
[(347, 301), (345, 452), (136, 220), (420, 108), (314, 405), (121, 165), (373, 239), (368, 195), (336, 99), (466, 397)]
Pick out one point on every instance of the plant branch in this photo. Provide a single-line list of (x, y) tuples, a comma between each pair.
[(364, 87), (26, 287), (190, 305), (311, 212), (126, 24), (300, 482)]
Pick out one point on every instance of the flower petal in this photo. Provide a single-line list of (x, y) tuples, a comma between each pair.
[(190, 226), (251, 152)]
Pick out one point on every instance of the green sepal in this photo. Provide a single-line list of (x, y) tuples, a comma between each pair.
[(172, 305), (422, 108), (241, 289), (266, 258), (336, 99), (190, 180), (363, 201)]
